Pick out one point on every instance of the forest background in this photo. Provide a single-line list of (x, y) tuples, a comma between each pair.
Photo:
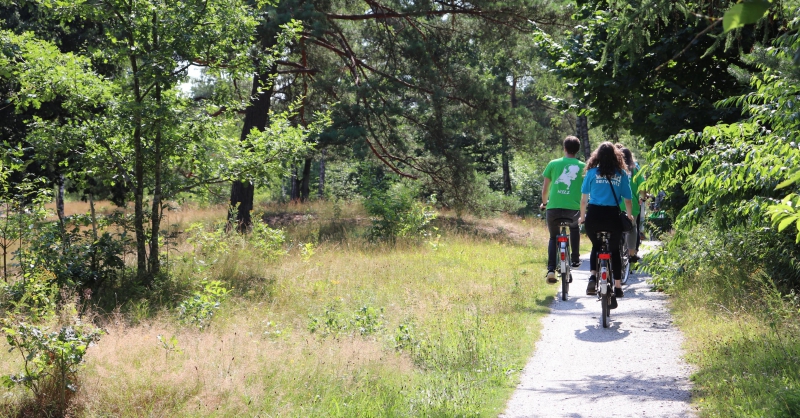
[(326, 140)]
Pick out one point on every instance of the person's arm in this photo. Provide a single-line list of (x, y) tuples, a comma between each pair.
[(629, 207), (545, 192), (584, 203)]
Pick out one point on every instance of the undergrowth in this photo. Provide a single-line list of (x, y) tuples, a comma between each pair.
[(291, 321), (742, 327)]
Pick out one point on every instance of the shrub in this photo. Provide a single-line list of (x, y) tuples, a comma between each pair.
[(51, 339), (366, 321), (200, 307), (75, 255), (396, 213)]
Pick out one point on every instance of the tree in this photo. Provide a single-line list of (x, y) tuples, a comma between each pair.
[(153, 139), (410, 88), (656, 70)]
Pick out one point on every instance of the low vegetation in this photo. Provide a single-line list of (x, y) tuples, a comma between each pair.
[(283, 323), (742, 331)]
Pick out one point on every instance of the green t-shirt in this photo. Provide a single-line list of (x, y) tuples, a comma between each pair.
[(636, 181), (566, 177)]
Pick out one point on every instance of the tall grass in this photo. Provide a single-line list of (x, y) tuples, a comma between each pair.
[(742, 333), (342, 327)]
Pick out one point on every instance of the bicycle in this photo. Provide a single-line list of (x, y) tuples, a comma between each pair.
[(562, 241), (605, 279)]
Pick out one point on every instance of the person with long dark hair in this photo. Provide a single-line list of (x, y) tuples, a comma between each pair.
[(634, 237), (605, 181)]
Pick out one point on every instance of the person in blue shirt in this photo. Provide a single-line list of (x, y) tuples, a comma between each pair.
[(606, 169)]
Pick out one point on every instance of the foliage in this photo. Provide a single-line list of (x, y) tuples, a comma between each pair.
[(693, 251), (657, 68), (739, 175), (366, 320), (396, 213), (527, 179), (200, 307), (74, 252), (51, 339), (211, 245), (22, 207), (744, 13), (741, 329)]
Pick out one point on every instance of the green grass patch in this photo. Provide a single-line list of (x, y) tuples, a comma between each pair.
[(343, 327), (742, 334)]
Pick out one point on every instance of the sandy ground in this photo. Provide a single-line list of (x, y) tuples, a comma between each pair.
[(574, 374)]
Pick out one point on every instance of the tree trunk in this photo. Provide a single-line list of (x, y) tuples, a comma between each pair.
[(582, 125), (305, 182), (504, 145), (138, 201), (94, 230), (256, 116), (295, 193), (60, 201), (154, 263), (321, 188)]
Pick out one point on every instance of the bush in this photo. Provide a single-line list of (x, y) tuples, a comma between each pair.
[(74, 254), (366, 321), (396, 213), (51, 339), (705, 247), (200, 307)]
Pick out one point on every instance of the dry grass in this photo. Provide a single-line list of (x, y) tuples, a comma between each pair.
[(470, 308)]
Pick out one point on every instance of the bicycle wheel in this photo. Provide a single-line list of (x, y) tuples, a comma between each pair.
[(605, 300), (605, 294), (565, 276), (625, 259)]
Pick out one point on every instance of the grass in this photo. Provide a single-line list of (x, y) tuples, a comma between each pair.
[(742, 337), (339, 327)]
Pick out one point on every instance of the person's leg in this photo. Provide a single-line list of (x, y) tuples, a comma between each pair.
[(575, 238), (591, 232), (632, 237), (593, 224), (639, 230), (550, 216), (616, 262)]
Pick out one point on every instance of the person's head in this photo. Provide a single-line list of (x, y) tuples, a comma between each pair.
[(572, 145), (627, 155), (607, 158)]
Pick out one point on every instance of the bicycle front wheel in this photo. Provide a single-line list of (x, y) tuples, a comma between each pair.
[(625, 259)]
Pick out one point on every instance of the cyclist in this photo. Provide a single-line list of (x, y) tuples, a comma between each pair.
[(605, 171), (561, 195), (634, 237)]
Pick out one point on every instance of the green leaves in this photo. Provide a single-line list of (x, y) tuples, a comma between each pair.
[(744, 13)]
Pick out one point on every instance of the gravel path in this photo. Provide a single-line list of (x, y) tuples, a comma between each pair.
[(564, 378)]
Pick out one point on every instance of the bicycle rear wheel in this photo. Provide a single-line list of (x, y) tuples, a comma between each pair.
[(565, 277), (605, 295)]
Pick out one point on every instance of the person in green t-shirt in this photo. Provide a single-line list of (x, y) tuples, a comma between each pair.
[(561, 196), (639, 195)]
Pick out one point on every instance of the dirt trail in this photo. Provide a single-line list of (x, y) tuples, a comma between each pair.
[(569, 375)]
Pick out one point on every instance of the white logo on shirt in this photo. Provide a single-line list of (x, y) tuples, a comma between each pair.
[(570, 173), (616, 180)]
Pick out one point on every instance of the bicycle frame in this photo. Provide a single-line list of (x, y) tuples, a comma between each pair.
[(605, 277), (563, 246)]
